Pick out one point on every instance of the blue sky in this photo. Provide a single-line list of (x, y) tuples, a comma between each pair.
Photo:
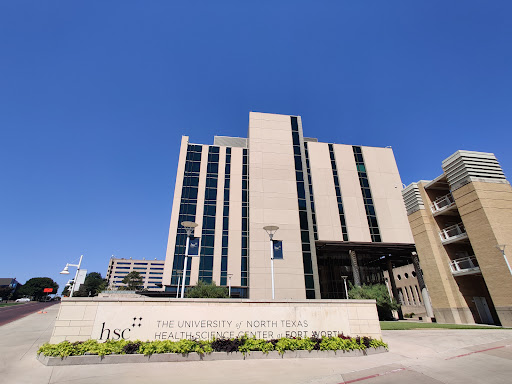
[(94, 98)]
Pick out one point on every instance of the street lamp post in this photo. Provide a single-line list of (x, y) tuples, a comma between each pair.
[(345, 282), (179, 273), (189, 227), (65, 271), (271, 230), (229, 284), (502, 249)]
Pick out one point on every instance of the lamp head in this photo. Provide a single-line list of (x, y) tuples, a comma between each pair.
[(271, 229), (189, 226), (65, 271)]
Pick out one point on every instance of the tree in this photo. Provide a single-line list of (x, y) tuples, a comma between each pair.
[(65, 291), (133, 281), (5, 293), (35, 286), (92, 285), (378, 292), (207, 290)]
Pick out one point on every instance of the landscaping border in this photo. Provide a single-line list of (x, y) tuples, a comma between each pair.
[(214, 356)]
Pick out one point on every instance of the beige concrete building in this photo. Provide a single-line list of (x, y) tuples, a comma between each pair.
[(151, 272), (462, 227), (409, 291), (338, 207)]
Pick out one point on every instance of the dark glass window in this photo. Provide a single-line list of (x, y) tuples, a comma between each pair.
[(188, 205), (212, 168), (367, 194), (245, 217), (301, 193), (209, 216), (302, 204), (195, 167), (338, 193)]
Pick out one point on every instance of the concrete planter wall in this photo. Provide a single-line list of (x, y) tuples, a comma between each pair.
[(174, 357)]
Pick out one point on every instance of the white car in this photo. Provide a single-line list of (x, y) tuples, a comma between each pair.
[(23, 300)]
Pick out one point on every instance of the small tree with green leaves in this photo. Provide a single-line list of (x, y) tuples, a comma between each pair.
[(92, 286), (378, 292), (133, 281), (207, 290)]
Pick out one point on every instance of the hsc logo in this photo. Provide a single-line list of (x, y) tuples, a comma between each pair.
[(119, 333)]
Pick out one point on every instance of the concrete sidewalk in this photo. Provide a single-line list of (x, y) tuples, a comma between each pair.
[(423, 356)]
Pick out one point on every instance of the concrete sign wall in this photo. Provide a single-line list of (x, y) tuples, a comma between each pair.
[(163, 319)]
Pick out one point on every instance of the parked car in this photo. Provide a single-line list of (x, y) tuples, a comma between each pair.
[(22, 300)]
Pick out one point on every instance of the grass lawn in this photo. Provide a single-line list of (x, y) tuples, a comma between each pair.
[(8, 304), (405, 325)]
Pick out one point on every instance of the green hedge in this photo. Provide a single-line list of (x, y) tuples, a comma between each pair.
[(242, 344)]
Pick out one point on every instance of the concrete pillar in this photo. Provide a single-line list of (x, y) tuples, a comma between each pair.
[(423, 287), (355, 268), (393, 287)]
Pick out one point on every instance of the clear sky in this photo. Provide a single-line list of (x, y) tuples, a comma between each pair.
[(95, 96)]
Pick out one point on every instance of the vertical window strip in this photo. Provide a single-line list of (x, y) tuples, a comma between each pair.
[(188, 205), (311, 197), (303, 213), (225, 220), (245, 220), (209, 215), (371, 215), (338, 193)]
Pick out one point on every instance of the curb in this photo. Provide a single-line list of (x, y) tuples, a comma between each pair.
[(214, 356)]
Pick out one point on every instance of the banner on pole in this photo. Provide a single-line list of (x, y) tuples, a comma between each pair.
[(80, 279), (278, 249), (193, 246)]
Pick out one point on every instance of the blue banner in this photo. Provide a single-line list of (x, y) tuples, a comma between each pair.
[(278, 249), (193, 246)]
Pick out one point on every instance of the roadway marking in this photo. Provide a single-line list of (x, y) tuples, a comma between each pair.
[(373, 376), (470, 353)]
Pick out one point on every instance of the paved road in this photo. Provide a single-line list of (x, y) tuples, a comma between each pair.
[(15, 312), (415, 357)]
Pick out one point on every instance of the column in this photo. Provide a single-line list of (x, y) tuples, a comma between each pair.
[(421, 283), (393, 287), (355, 268)]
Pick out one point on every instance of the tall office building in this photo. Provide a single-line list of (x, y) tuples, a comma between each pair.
[(463, 231), (338, 207), (151, 272)]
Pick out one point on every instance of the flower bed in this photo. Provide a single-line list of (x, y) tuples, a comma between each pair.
[(184, 347)]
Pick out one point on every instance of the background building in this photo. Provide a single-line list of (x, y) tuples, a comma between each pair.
[(151, 272), (409, 291), (338, 207), (8, 287), (461, 222)]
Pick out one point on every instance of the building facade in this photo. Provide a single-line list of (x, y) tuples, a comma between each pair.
[(151, 272), (462, 230), (8, 286), (338, 207), (409, 292)]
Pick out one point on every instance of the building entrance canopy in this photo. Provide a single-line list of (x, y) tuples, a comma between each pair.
[(362, 263)]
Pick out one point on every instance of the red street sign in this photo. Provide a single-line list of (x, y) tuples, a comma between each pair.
[(49, 290)]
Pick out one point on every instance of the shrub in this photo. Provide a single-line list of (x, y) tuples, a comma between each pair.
[(207, 290), (239, 344), (380, 294)]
